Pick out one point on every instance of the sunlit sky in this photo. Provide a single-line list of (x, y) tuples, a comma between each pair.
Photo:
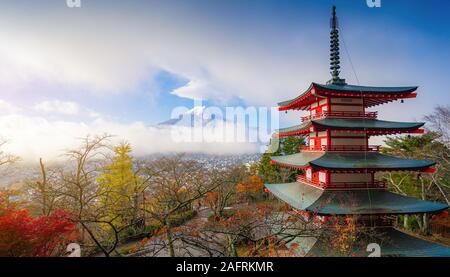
[(122, 66)]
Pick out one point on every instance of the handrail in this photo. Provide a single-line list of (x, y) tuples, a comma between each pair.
[(342, 185), (302, 178), (341, 148), (372, 115)]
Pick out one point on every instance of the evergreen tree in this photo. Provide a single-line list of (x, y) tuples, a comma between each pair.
[(273, 173)]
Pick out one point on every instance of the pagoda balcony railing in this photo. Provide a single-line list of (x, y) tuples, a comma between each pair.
[(303, 179), (343, 185), (341, 148), (371, 115)]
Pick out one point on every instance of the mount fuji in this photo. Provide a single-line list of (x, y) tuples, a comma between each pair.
[(194, 118)]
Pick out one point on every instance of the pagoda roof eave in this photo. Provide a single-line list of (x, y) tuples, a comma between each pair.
[(350, 202), (296, 130), (363, 123), (298, 160), (295, 194), (371, 202), (371, 160), (351, 124), (373, 95), (366, 90), (393, 243), (290, 104), (354, 161)]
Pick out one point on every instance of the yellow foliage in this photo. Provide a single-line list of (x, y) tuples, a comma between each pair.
[(119, 185)]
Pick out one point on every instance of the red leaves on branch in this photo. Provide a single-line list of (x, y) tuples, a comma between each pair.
[(21, 235)]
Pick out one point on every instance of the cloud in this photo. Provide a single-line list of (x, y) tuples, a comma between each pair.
[(220, 61), (109, 48), (8, 108), (57, 106), (32, 137)]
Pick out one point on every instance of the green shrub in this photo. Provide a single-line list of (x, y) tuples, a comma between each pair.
[(180, 218)]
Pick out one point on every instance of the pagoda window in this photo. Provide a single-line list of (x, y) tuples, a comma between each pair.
[(322, 177), (323, 102), (309, 173)]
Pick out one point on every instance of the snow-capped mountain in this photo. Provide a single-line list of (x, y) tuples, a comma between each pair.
[(194, 117)]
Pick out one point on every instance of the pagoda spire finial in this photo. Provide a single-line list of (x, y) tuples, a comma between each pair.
[(334, 51)]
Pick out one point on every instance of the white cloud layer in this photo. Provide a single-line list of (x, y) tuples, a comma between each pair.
[(8, 108), (110, 48), (111, 51), (32, 137), (57, 106)]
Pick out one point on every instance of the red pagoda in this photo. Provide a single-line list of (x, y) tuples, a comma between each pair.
[(340, 167)]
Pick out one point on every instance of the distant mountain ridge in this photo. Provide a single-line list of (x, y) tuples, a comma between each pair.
[(192, 118)]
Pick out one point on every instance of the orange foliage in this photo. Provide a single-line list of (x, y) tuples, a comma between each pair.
[(346, 235), (211, 198), (240, 188), (252, 184), (139, 245)]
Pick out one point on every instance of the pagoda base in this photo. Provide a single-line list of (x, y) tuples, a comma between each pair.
[(392, 242)]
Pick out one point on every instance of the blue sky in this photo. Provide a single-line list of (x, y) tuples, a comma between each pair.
[(119, 63)]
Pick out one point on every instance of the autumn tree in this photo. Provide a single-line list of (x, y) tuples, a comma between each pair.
[(8, 200), (82, 195), (5, 157), (251, 187), (175, 184), (21, 235), (120, 187), (225, 193), (426, 186), (253, 231), (46, 192)]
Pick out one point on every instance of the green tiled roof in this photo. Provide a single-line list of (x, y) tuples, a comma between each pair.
[(360, 123), (294, 128), (299, 159), (366, 89), (292, 100), (352, 88), (363, 201), (371, 160), (297, 195), (355, 124), (392, 243), (348, 202), (357, 160)]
